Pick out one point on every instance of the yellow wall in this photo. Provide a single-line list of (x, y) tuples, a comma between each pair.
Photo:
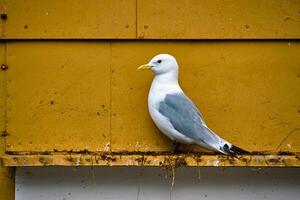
[(80, 95), (72, 83), (152, 19)]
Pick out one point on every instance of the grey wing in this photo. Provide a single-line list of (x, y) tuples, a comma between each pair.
[(186, 118)]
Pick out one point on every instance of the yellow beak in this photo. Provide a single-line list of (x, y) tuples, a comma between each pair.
[(143, 67)]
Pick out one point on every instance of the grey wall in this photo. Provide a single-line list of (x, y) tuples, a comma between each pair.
[(65, 183)]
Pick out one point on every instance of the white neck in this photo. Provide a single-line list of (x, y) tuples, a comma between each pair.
[(170, 77), (162, 85), (165, 83)]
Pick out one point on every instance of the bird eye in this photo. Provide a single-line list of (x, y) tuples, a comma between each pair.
[(159, 61)]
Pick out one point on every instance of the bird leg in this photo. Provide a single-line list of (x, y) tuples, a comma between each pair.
[(175, 146)]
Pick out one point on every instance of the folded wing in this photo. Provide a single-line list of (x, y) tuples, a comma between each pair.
[(186, 119)]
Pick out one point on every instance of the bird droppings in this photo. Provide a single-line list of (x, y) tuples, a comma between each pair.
[(216, 163), (199, 173), (162, 159), (107, 158), (43, 161), (272, 160), (140, 161), (107, 146), (77, 161), (174, 162), (173, 181)]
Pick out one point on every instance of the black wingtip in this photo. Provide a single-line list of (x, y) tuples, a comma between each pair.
[(234, 150), (238, 150)]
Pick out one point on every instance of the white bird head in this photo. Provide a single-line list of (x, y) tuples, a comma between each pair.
[(161, 64)]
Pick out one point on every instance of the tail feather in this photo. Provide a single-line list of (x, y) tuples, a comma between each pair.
[(234, 150)]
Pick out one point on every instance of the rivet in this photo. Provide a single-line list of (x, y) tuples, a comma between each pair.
[(4, 67)]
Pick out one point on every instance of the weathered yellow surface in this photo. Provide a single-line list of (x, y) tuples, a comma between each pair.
[(71, 19), (7, 186), (148, 19), (217, 19), (168, 161), (2, 21), (131, 126), (58, 96), (89, 96), (6, 174), (248, 92)]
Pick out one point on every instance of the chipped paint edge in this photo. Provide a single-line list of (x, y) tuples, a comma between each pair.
[(171, 160)]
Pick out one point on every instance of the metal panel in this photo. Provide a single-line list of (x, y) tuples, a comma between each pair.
[(6, 174), (144, 19), (88, 96), (248, 92), (58, 96), (71, 19), (217, 19)]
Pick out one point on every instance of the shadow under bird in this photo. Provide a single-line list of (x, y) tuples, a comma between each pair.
[(175, 114)]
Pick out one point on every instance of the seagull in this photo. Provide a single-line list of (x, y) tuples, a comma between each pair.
[(175, 114)]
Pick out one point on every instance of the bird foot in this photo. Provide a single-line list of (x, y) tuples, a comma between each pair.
[(175, 147)]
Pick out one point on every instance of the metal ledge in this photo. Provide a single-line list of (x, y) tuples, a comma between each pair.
[(157, 160)]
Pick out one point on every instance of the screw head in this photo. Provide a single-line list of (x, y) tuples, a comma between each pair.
[(3, 16)]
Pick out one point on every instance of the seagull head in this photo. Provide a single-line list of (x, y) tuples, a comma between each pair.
[(161, 64)]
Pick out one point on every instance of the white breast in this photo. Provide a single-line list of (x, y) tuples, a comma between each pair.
[(158, 91)]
